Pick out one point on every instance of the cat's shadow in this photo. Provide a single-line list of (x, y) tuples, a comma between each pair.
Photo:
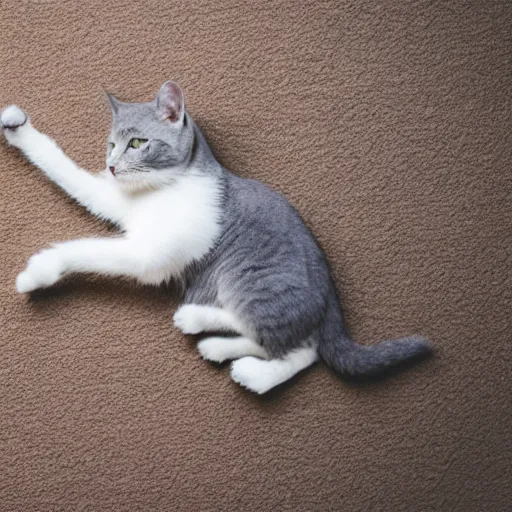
[(98, 288), (276, 394)]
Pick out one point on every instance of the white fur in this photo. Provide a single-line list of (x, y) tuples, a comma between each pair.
[(261, 376), (218, 349), (193, 319), (43, 269), (165, 229), (13, 117)]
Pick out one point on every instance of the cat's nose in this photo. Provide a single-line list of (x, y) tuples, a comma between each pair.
[(112, 170)]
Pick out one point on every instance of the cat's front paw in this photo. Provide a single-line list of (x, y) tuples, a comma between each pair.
[(43, 269), (188, 319), (12, 117)]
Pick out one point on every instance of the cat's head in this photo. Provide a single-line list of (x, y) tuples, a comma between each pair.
[(150, 144)]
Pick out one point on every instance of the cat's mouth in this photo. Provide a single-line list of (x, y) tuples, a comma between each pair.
[(119, 173), (126, 172)]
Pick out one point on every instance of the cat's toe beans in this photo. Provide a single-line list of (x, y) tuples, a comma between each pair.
[(12, 117), (250, 372)]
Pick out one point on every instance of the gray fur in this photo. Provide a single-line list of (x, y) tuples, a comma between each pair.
[(266, 267)]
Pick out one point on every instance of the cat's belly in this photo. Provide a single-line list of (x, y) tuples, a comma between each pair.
[(174, 227)]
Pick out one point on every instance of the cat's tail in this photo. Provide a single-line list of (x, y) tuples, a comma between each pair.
[(345, 356), (356, 360)]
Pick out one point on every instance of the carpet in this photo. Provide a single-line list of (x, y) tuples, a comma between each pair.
[(388, 125)]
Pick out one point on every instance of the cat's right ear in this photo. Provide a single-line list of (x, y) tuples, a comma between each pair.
[(113, 102), (170, 102)]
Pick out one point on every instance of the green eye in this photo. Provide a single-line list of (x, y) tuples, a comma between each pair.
[(110, 146), (137, 143)]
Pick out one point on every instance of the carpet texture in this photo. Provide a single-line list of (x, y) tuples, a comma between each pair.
[(388, 125)]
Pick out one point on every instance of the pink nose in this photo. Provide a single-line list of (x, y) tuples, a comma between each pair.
[(112, 170)]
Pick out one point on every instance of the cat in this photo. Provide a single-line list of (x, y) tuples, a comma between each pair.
[(252, 271)]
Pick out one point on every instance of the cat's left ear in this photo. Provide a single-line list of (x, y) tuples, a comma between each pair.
[(113, 102), (170, 102)]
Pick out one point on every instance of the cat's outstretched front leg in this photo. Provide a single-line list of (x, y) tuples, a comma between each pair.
[(100, 196), (104, 256)]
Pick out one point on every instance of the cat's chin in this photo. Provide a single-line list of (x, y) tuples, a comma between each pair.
[(134, 183), (130, 184)]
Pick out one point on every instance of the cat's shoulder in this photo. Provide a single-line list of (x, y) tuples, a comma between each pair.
[(257, 204), (254, 192)]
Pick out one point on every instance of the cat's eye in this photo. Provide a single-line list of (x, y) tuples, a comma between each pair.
[(110, 147), (137, 143)]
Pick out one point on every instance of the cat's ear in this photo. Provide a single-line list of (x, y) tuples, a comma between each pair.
[(170, 102), (113, 102)]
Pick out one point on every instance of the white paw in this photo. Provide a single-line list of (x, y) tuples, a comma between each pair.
[(214, 349), (254, 374), (12, 117), (188, 319), (43, 270)]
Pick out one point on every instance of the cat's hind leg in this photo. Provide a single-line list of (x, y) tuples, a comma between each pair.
[(218, 349), (260, 376), (195, 318)]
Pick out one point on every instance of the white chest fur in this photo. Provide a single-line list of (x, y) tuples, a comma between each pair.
[(173, 226)]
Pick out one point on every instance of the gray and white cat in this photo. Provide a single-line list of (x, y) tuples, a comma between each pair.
[(249, 264)]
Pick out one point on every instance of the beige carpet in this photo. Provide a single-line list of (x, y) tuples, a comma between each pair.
[(388, 124)]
